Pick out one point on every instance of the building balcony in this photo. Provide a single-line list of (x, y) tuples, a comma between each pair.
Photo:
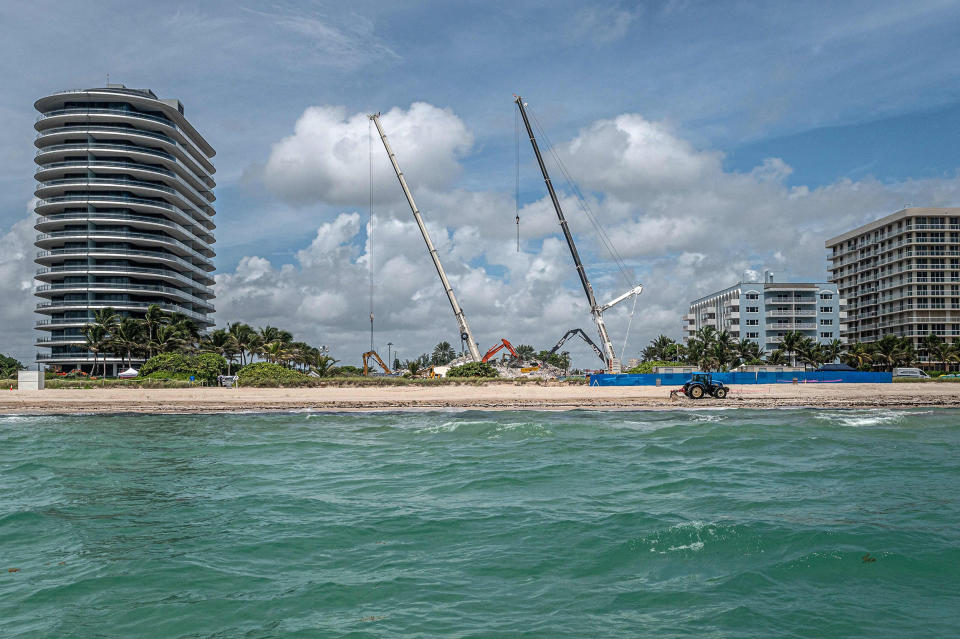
[(49, 240), (152, 191), (792, 313), (118, 134), (202, 196), (55, 257), (192, 235), (118, 305), (126, 152), (51, 274), (48, 290), (57, 204)]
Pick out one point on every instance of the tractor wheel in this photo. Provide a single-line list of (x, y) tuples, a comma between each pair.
[(720, 393), (696, 392)]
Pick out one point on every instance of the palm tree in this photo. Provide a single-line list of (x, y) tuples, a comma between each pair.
[(443, 353), (126, 338), (777, 358), (832, 350), (720, 354), (707, 335), (413, 365), (858, 355), (243, 337), (891, 351), (222, 343), (274, 351), (809, 352), (789, 343), (322, 364), (96, 337), (153, 319), (748, 351), (658, 350), (168, 339), (525, 351)]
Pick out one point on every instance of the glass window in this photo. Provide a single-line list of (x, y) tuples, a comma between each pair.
[(826, 322)]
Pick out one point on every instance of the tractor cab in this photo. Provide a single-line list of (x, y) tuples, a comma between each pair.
[(702, 384)]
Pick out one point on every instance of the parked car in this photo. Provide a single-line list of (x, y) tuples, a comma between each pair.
[(910, 372)]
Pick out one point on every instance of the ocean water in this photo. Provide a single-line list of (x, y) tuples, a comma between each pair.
[(714, 523)]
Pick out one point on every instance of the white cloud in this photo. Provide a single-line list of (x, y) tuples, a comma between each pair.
[(16, 289), (684, 224), (327, 159)]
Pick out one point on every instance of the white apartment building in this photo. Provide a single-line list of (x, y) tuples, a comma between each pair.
[(764, 311), (900, 275)]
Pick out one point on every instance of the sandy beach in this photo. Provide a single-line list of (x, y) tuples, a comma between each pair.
[(487, 397)]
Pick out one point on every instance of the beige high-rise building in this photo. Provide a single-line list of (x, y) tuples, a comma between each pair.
[(900, 275)]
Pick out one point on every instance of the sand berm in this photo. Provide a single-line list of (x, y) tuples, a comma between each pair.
[(494, 396)]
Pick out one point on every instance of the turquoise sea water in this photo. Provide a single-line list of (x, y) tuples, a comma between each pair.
[(728, 523)]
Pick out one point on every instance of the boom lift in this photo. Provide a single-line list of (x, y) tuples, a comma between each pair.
[(366, 360), (596, 310), (578, 331), (503, 344), (465, 333)]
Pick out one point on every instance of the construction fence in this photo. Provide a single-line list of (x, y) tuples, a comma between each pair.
[(811, 377)]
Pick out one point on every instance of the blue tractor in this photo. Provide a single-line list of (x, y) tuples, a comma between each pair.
[(702, 384)]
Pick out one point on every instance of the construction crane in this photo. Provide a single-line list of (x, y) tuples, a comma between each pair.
[(465, 334), (596, 310), (374, 355), (578, 331), (503, 344)]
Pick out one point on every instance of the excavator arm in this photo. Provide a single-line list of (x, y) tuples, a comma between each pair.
[(579, 331), (366, 360), (503, 344)]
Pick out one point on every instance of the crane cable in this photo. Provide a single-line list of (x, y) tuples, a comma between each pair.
[(601, 233), (516, 137), (370, 223), (582, 203)]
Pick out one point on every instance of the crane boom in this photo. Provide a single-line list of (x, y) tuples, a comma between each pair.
[(465, 333), (595, 309)]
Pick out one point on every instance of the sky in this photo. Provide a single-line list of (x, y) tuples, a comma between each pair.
[(710, 140)]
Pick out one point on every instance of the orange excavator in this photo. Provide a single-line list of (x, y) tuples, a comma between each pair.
[(366, 360), (503, 344)]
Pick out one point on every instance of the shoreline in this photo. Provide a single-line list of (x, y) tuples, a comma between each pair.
[(492, 397)]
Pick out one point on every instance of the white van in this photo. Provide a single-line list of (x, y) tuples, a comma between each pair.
[(910, 372)]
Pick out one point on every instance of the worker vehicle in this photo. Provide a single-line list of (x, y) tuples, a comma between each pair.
[(503, 344), (366, 362), (704, 384)]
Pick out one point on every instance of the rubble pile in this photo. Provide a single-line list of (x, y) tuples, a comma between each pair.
[(510, 369)]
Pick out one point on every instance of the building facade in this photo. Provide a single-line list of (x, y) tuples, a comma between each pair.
[(124, 215), (900, 275), (764, 311)]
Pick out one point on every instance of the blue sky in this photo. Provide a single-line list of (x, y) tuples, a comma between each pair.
[(857, 102)]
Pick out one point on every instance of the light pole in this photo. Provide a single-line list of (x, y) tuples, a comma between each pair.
[(389, 359)]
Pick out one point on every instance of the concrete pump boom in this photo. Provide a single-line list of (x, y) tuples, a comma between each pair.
[(595, 309), (465, 333)]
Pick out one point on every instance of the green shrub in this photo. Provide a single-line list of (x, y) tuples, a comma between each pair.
[(9, 366), (473, 369), (265, 374), (203, 367), (645, 368), (207, 366), (171, 362), (344, 371)]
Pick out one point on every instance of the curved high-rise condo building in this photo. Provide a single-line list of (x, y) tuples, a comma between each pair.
[(124, 215)]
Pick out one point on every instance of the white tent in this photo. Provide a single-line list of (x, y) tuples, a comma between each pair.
[(127, 374)]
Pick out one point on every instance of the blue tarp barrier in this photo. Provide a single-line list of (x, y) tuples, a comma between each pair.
[(812, 377)]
